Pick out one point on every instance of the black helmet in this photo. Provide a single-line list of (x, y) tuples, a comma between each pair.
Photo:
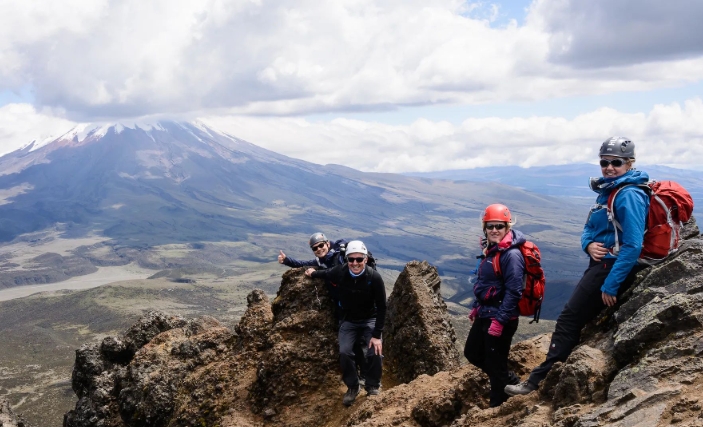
[(618, 146), (317, 238)]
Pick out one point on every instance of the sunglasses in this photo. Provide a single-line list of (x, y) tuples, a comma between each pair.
[(357, 260), (615, 162), (317, 246), (496, 226)]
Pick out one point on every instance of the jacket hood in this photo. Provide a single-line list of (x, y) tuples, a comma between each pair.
[(633, 176)]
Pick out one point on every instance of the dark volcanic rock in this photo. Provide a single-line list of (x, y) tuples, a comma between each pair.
[(98, 368), (584, 377), (302, 359), (255, 325), (418, 338)]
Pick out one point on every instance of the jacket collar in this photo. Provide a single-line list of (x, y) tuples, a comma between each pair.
[(633, 176)]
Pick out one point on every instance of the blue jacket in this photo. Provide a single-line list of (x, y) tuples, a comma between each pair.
[(630, 208), (330, 260), (495, 297)]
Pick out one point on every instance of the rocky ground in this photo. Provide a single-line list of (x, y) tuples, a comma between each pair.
[(638, 364)]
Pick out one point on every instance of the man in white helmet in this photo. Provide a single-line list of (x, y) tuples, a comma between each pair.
[(362, 300)]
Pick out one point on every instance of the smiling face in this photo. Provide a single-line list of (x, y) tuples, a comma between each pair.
[(495, 231), (612, 171), (357, 262), (320, 249)]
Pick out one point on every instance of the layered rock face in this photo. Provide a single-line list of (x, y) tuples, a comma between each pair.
[(418, 338), (639, 364)]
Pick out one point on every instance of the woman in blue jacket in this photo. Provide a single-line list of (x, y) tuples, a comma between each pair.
[(610, 270), (495, 311)]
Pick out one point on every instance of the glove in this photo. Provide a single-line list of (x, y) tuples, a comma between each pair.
[(496, 328), (473, 314)]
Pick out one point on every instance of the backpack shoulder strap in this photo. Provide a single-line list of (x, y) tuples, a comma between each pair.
[(611, 211), (496, 265), (611, 198)]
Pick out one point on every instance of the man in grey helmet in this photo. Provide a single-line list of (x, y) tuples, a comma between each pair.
[(325, 255), (612, 265)]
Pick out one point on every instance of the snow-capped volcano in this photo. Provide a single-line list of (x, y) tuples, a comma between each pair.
[(165, 170), (147, 184)]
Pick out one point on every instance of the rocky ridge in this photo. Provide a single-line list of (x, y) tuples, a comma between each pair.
[(638, 364)]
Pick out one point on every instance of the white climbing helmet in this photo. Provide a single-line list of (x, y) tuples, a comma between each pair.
[(356, 247)]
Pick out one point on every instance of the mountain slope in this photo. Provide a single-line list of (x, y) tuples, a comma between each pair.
[(171, 182), (566, 180)]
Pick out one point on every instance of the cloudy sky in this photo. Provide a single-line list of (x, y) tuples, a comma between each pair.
[(379, 85)]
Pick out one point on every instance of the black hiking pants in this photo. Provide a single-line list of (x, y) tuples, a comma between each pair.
[(490, 354), (359, 353), (357, 334), (583, 306)]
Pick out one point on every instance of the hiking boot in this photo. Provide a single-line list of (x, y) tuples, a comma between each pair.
[(513, 379), (362, 382), (372, 391), (524, 387), (350, 395)]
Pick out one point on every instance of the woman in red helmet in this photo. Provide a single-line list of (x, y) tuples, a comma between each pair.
[(495, 310)]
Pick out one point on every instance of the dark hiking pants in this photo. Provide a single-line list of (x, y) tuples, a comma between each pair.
[(583, 306), (359, 353), (351, 334), (490, 354)]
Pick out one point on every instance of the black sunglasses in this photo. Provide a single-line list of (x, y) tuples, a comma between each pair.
[(357, 260), (615, 162), (317, 246), (496, 226)]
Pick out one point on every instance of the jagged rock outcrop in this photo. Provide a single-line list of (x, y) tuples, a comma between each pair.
[(419, 338), (9, 418), (168, 371), (639, 364), (301, 361), (99, 368), (254, 326)]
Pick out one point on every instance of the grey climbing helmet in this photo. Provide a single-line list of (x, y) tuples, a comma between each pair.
[(317, 238), (618, 146)]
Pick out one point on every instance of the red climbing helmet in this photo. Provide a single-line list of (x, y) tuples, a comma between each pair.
[(496, 212)]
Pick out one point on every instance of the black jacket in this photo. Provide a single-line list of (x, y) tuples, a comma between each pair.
[(360, 298)]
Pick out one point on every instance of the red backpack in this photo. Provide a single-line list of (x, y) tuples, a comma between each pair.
[(533, 281), (670, 205)]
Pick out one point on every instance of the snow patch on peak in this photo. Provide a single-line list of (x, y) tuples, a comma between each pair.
[(80, 132), (85, 132), (142, 124), (204, 128)]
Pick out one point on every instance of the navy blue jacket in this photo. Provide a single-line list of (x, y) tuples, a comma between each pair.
[(495, 297), (328, 261), (631, 207)]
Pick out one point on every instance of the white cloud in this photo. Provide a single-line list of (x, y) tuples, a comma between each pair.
[(103, 59), (21, 124), (668, 134)]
